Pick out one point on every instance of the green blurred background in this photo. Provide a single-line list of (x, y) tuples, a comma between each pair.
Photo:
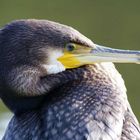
[(106, 22)]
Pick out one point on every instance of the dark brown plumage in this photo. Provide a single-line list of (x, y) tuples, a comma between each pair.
[(84, 103)]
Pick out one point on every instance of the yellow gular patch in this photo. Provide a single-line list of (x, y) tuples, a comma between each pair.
[(69, 61), (73, 54)]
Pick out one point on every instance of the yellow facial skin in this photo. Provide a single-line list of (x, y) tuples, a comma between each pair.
[(70, 58), (69, 61)]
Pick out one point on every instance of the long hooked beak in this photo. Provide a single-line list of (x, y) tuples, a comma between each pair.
[(98, 54), (105, 54)]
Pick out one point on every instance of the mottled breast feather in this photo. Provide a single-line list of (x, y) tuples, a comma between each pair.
[(93, 107)]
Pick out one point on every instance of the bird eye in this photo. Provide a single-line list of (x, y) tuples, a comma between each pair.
[(70, 47)]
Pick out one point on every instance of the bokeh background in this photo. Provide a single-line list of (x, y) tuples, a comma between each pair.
[(107, 22)]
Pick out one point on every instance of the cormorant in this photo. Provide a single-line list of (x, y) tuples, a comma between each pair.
[(62, 86)]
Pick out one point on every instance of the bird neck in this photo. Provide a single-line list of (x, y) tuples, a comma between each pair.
[(99, 80)]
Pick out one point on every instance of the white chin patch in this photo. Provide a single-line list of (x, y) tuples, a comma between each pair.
[(54, 68)]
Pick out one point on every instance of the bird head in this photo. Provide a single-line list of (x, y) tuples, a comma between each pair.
[(54, 46)]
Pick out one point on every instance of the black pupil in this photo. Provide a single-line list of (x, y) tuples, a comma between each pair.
[(70, 47)]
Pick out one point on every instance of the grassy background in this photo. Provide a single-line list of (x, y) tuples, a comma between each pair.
[(111, 23)]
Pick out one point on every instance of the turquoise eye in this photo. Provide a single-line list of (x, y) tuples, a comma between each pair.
[(70, 47)]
